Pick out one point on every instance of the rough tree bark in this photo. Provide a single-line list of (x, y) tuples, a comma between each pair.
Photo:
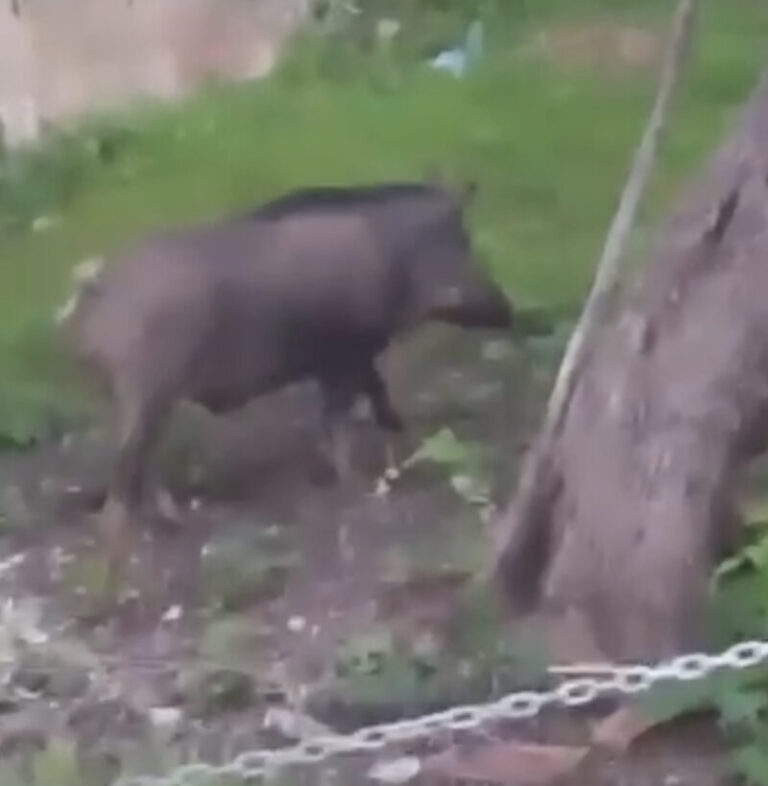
[(634, 500)]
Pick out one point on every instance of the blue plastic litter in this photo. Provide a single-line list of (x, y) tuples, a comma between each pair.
[(458, 59)]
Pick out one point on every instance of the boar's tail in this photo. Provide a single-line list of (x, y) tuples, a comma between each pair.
[(86, 278)]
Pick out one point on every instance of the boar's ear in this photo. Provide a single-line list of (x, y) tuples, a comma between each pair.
[(468, 191), (436, 176)]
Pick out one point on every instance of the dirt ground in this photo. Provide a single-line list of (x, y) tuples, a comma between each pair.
[(259, 478)]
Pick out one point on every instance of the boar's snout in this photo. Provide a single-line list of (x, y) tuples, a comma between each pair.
[(474, 306)]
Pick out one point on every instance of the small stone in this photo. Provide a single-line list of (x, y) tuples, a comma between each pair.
[(173, 614), (297, 624)]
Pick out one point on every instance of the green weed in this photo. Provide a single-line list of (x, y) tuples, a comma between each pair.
[(740, 699)]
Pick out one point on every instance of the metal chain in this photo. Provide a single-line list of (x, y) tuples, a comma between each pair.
[(627, 680)]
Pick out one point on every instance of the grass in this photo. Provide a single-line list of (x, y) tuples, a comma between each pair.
[(547, 141)]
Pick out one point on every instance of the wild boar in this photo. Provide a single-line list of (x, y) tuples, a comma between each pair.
[(311, 286)]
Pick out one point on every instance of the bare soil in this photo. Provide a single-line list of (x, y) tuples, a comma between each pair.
[(261, 473)]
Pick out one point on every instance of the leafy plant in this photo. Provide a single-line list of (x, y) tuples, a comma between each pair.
[(739, 699), (463, 462), (40, 181), (741, 603)]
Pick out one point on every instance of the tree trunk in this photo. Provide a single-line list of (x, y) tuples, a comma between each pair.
[(635, 500)]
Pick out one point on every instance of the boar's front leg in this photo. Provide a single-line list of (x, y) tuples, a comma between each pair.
[(375, 388), (383, 411), (340, 390)]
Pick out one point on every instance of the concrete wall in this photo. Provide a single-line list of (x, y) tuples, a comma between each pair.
[(59, 58)]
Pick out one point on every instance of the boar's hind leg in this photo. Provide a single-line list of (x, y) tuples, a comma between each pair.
[(138, 422)]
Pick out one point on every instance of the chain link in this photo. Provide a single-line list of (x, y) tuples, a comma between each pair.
[(627, 680)]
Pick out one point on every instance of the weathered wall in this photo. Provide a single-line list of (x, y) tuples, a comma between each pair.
[(59, 58)]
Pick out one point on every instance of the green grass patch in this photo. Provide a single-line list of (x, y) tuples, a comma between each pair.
[(548, 142)]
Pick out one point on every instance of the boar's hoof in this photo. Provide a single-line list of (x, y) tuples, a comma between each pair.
[(117, 531), (168, 512), (115, 520), (343, 472), (340, 460)]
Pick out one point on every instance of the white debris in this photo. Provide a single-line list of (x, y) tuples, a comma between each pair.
[(13, 562), (396, 771), (387, 29), (84, 274), (20, 622), (297, 624), (167, 505), (173, 614), (165, 718), (457, 60), (88, 270)]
